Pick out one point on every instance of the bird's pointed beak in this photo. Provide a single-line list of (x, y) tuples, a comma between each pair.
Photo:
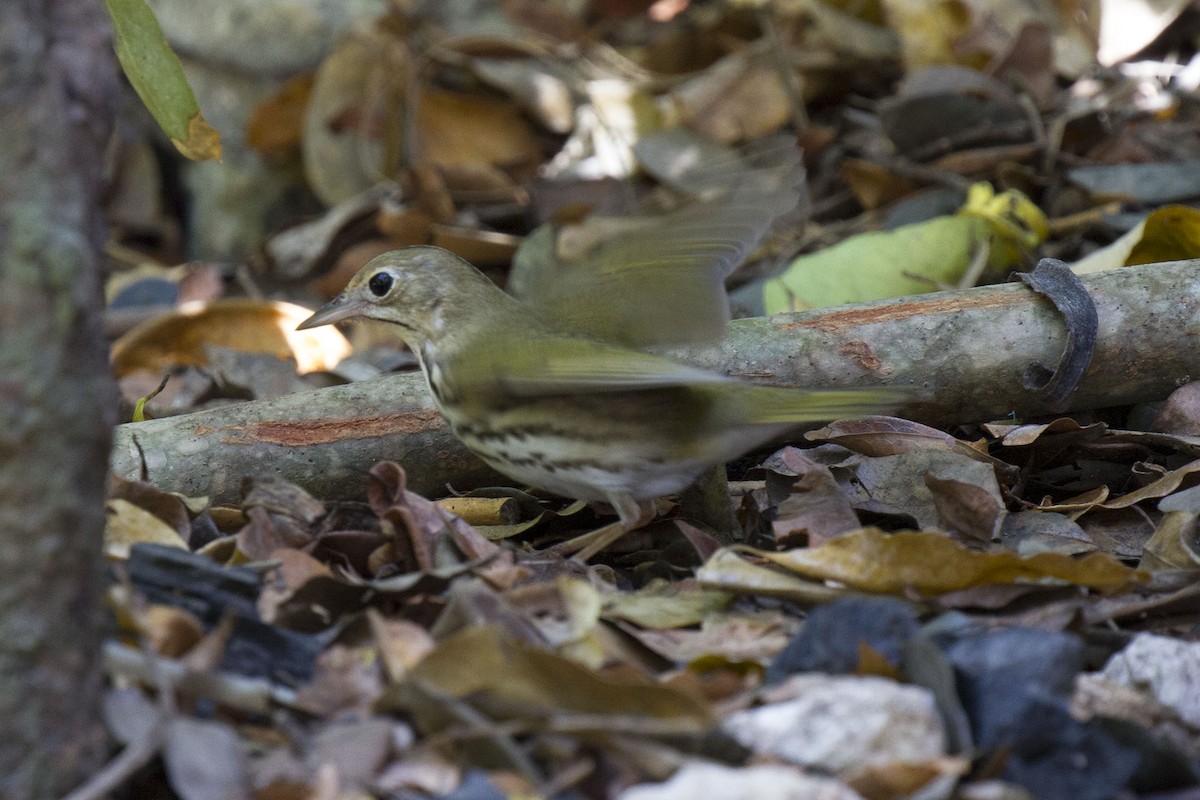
[(336, 310)]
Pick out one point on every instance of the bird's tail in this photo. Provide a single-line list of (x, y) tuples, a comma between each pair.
[(779, 405)]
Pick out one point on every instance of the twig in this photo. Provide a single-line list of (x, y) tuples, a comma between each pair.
[(767, 20), (247, 694), (140, 751), (118, 771)]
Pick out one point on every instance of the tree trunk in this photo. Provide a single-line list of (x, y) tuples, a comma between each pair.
[(57, 103)]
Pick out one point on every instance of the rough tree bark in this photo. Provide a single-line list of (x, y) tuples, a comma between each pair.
[(57, 404)]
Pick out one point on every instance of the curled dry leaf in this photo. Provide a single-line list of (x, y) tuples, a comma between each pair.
[(931, 563), (127, 524), (359, 117), (253, 326), (512, 680)]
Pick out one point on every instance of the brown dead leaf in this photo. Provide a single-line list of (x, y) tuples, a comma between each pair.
[(265, 533), (1077, 505), (816, 510), (1173, 545), (873, 662), (347, 680), (1120, 532), (296, 568), (170, 631), (354, 109), (971, 509), (736, 638), (457, 128), (874, 185), (939, 105), (1167, 484), (931, 563), (515, 681), (252, 376), (1172, 233), (170, 508), (894, 780), (728, 571), (402, 644), (1181, 413), (473, 603), (664, 605), (885, 436), (418, 525), (732, 101), (485, 248), (282, 498), (1029, 532), (564, 611), (276, 125), (477, 182), (900, 484)]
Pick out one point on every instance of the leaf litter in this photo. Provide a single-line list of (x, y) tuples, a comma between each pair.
[(881, 609)]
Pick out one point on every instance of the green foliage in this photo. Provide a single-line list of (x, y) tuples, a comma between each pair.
[(157, 76)]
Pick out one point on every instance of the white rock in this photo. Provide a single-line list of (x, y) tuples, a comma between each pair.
[(840, 724), (762, 782), (1167, 669)]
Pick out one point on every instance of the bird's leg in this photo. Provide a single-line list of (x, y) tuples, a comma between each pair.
[(586, 545)]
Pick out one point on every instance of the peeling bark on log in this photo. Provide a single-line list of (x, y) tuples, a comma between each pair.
[(324, 440), (962, 353)]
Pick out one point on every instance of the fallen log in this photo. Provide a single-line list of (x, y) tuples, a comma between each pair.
[(962, 353)]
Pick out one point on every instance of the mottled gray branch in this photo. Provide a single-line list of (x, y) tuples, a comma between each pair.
[(963, 354)]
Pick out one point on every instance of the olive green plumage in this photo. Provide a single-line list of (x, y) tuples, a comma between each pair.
[(569, 414)]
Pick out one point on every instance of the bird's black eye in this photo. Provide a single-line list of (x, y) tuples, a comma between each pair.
[(380, 283)]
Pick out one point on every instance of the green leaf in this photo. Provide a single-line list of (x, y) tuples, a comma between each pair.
[(871, 266), (914, 258), (158, 78)]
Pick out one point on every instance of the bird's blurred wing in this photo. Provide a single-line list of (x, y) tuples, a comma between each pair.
[(563, 365), (661, 280)]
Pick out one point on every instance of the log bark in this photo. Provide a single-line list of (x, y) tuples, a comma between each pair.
[(962, 353), (57, 402)]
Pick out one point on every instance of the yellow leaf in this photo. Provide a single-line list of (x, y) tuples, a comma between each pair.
[(1172, 233), (1017, 224), (128, 524), (139, 408)]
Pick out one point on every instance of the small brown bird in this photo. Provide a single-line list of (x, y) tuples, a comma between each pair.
[(570, 414)]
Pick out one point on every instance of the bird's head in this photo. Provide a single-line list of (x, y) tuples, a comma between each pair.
[(421, 290)]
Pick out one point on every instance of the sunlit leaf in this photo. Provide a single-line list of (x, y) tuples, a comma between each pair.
[(180, 338)]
